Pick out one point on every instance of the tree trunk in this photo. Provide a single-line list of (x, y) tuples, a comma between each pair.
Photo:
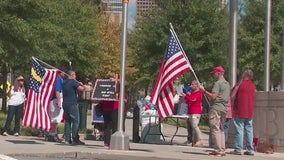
[(4, 78)]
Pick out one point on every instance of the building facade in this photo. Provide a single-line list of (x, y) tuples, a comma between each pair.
[(114, 9), (142, 6)]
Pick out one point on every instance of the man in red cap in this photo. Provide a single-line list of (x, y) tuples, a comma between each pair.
[(217, 113)]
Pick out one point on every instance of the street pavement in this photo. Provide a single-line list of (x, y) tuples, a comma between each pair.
[(32, 148)]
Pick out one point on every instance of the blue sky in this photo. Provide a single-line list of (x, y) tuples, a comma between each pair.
[(131, 14)]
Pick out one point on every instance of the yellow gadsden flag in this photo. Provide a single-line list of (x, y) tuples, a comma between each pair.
[(7, 89)]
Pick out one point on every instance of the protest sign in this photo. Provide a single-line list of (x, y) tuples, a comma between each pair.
[(104, 89)]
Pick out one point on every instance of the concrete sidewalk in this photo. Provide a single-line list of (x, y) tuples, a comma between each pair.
[(35, 146)]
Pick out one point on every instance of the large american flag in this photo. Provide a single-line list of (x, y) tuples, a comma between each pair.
[(41, 87), (174, 64)]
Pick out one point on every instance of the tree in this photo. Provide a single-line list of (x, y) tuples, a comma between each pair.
[(202, 27), (55, 31), (108, 62), (252, 36)]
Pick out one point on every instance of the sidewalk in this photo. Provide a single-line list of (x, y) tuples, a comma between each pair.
[(35, 146)]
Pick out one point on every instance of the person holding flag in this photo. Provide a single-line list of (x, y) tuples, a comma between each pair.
[(71, 111), (193, 98), (217, 113)]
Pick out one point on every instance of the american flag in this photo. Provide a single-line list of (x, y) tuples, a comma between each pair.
[(41, 87), (174, 64)]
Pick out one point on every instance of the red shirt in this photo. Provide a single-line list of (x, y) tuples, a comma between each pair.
[(194, 101), (109, 105), (244, 101)]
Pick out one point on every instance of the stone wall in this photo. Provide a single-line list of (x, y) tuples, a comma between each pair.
[(269, 118)]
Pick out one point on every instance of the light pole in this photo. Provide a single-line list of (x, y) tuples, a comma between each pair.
[(233, 42), (267, 46), (282, 73), (119, 140)]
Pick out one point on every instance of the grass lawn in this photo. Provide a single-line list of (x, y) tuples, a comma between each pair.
[(203, 124), (25, 131)]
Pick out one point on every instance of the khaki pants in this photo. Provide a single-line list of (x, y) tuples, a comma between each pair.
[(217, 120), (194, 121)]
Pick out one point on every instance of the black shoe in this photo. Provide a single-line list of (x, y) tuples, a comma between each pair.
[(235, 152), (249, 153), (78, 143)]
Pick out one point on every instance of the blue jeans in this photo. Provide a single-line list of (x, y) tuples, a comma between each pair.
[(17, 111), (71, 117), (241, 124), (227, 128), (189, 132)]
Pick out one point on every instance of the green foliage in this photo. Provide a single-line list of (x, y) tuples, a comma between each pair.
[(55, 31), (2, 120), (108, 61), (201, 27), (251, 39)]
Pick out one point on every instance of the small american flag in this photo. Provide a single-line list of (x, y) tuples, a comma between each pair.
[(174, 64), (41, 88)]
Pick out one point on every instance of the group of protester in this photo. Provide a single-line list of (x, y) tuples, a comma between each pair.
[(225, 104), (65, 98)]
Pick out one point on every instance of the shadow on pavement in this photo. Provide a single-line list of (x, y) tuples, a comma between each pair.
[(195, 153), (141, 150), (23, 142)]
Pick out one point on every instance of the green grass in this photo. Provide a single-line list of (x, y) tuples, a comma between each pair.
[(203, 124), (27, 131)]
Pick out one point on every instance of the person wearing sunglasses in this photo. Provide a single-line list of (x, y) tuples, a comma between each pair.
[(15, 106)]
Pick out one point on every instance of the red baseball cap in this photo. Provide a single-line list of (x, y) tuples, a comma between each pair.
[(218, 69)]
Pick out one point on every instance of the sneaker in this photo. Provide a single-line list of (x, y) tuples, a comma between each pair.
[(223, 153), (68, 142), (235, 152), (106, 146), (78, 143), (198, 144), (5, 134), (249, 153), (16, 134), (190, 144), (218, 154)]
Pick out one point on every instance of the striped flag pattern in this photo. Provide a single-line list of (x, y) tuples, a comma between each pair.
[(41, 88), (174, 64)]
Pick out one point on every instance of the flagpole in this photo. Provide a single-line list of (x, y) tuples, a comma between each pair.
[(176, 37), (36, 59)]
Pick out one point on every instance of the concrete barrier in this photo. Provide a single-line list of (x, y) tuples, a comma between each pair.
[(269, 118)]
